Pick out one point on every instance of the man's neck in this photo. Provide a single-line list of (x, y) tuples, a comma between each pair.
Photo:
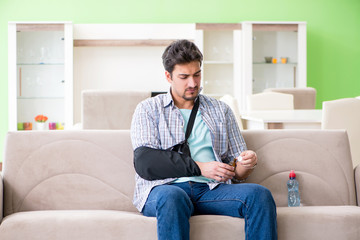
[(181, 103), (185, 104)]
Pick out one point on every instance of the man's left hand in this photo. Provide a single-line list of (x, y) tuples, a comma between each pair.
[(249, 159)]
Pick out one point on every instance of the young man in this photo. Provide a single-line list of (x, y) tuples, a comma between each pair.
[(172, 186)]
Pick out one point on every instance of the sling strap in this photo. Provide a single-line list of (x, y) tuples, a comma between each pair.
[(192, 118)]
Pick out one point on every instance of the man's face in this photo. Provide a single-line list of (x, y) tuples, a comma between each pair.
[(185, 81)]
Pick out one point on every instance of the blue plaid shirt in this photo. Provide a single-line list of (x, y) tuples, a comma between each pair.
[(158, 123)]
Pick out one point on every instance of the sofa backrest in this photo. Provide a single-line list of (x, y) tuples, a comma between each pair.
[(304, 98), (321, 160), (93, 169), (109, 109), (57, 170)]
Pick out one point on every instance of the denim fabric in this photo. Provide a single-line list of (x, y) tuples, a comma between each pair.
[(173, 204)]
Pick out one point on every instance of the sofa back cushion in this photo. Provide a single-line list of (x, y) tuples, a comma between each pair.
[(109, 109), (57, 170), (93, 169), (321, 160)]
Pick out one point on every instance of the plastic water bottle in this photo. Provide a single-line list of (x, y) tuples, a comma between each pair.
[(293, 190)]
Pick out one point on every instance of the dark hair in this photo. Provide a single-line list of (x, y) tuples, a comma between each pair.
[(180, 52)]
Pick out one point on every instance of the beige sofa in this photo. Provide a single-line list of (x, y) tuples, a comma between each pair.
[(79, 185)]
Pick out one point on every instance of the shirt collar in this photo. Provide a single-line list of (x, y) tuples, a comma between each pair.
[(169, 100)]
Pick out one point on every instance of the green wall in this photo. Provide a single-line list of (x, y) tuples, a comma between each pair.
[(333, 28)]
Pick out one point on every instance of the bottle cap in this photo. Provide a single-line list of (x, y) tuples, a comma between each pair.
[(292, 174)]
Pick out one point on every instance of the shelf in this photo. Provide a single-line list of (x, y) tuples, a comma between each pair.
[(275, 27), (28, 27), (122, 42), (218, 26), (218, 62), (263, 63), (40, 98), (40, 64)]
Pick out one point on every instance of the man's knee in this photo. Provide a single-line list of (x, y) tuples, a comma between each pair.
[(173, 197), (263, 195)]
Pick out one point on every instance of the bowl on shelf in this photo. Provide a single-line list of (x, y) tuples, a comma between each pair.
[(268, 59)]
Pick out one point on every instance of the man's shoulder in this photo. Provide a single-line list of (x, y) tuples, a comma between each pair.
[(154, 102), (212, 102)]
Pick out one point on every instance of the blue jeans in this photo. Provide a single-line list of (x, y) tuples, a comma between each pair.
[(173, 204)]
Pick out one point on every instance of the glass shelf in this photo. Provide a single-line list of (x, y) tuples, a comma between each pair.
[(264, 63), (39, 64), (40, 97), (218, 62)]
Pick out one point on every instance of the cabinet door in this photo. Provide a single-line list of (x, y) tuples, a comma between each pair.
[(274, 56), (40, 73), (217, 43)]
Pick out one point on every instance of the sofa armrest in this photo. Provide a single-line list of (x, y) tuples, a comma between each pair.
[(1, 197), (357, 183)]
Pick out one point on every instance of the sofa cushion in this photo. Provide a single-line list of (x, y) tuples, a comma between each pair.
[(297, 223), (68, 170), (109, 225), (109, 109), (321, 160), (324, 222)]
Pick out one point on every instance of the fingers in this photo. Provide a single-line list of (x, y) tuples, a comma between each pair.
[(219, 171), (222, 172), (249, 159), (248, 154), (226, 171), (226, 166), (216, 170)]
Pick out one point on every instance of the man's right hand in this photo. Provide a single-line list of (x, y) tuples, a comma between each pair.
[(216, 170)]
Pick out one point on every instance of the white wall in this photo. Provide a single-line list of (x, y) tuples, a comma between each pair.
[(122, 67), (117, 68)]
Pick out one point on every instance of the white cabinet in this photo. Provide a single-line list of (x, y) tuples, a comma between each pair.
[(220, 45), (285, 44), (234, 57), (128, 56), (40, 73)]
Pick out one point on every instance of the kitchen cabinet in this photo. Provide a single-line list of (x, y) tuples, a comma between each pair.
[(40, 73)]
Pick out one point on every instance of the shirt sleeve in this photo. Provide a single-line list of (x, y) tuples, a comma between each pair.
[(144, 130), (236, 141)]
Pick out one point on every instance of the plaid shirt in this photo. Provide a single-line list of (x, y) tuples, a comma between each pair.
[(158, 123)]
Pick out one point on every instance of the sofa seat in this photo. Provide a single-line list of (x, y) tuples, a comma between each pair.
[(318, 222), (107, 224)]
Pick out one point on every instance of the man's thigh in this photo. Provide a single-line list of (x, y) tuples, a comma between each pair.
[(171, 195), (228, 199)]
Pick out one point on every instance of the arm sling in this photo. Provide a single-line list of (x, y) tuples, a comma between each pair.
[(174, 162)]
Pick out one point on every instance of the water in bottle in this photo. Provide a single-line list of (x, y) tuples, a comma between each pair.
[(293, 190)]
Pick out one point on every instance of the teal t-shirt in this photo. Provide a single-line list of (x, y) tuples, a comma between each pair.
[(200, 144)]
